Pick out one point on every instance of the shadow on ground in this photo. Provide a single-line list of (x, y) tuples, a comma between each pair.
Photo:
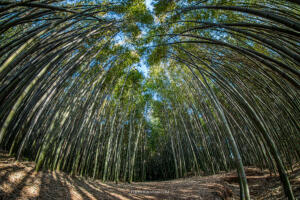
[(18, 180)]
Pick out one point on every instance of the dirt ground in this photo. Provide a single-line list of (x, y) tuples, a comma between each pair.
[(18, 180)]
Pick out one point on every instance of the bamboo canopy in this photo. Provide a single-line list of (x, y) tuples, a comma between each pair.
[(221, 90)]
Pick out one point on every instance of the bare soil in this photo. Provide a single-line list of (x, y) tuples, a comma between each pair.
[(19, 181)]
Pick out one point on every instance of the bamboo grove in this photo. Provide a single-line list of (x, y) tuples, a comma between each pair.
[(222, 91)]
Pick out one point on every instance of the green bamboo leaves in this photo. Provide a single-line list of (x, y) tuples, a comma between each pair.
[(221, 92)]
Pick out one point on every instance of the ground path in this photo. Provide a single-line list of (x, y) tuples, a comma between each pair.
[(18, 180)]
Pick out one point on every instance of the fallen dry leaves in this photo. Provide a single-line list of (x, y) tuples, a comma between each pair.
[(18, 180)]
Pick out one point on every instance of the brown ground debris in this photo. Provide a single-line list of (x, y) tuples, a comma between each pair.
[(19, 181)]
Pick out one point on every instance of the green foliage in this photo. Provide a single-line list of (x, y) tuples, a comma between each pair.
[(158, 54), (161, 7), (137, 12), (221, 84)]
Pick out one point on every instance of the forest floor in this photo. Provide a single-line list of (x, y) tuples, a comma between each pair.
[(18, 180)]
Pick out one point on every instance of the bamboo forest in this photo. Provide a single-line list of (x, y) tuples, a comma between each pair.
[(155, 99)]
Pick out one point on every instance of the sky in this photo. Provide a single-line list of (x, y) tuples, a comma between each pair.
[(148, 4), (143, 67)]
